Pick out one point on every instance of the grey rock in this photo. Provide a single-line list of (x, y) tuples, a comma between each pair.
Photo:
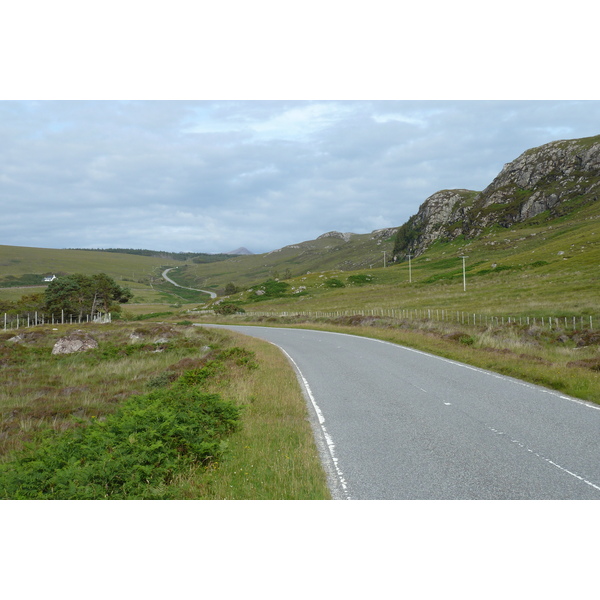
[(78, 341)]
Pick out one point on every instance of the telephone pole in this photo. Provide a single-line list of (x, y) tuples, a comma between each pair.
[(409, 269), (464, 274)]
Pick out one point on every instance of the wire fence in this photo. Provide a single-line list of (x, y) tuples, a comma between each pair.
[(33, 319), (581, 322)]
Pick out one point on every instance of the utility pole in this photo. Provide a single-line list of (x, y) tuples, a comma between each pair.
[(464, 274), (409, 269), (384, 252)]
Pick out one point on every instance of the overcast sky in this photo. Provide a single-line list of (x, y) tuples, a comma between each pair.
[(211, 176), (123, 140)]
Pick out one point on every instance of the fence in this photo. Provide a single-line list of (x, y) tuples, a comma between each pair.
[(32, 319), (580, 322), (466, 318)]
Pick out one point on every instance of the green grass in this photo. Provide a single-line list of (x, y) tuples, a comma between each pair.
[(19, 260), (77, 414), (273, 455)]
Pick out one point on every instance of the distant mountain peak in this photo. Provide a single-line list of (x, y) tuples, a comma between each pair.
[(241, 250)]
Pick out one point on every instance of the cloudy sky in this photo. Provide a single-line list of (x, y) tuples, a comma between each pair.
[(210, 176), (258, 125)]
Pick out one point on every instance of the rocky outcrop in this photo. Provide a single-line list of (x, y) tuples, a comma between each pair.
[(79, 341), (336, 234), (554, 178), (384, 234)]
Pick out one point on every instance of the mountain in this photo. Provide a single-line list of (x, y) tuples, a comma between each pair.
[(240, 251), (542, 184)]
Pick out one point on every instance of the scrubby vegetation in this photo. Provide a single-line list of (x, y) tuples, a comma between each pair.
[(133, 454), (157, 410)]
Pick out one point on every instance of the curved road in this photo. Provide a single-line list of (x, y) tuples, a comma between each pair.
[(397, 423), (164, 275)]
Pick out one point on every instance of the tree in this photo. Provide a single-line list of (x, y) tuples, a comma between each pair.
[(31, 303), (82, 294), (107, 294)]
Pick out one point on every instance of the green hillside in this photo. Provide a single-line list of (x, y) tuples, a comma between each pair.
[(544, 269), (328, 252), (19, 260), (23, 267)]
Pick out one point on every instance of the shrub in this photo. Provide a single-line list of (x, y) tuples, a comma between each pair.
[(228, 308), (334, 283), (134, 454), (360, 279), (272, 288)]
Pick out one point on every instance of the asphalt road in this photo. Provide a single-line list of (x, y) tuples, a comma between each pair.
[(167, 278), (397, 423)]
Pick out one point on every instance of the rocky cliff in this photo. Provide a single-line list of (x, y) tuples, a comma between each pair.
[(542, 183)]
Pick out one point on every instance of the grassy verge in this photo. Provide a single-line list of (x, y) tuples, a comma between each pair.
[(273, 454), (120, 409)]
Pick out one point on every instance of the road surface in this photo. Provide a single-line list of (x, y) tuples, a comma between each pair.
[(397, 423), (164, 275)]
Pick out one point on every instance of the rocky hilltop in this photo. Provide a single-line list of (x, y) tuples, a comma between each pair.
[(543, 183)]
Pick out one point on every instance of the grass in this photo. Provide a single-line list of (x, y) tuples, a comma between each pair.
[(141, 274), (273, 454)]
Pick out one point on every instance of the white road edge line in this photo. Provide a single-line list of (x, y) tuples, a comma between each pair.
[(547, 460), (328, 440)]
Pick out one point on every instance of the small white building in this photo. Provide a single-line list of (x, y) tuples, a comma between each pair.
[(48, 279)]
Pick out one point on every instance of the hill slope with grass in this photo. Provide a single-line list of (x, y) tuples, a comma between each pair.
[(22, 271), (332, 250), (541, 185)]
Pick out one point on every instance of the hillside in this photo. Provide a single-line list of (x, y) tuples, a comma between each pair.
[(22, 270), (545, 269), (332, 250), (530, 240), (542, 184)]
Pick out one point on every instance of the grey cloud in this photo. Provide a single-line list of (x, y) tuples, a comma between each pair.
[(212, 176)]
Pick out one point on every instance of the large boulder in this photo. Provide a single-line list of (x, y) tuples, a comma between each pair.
[(79, 341)]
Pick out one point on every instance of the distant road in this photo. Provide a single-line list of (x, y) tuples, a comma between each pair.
[(164, 274), (397, 423)]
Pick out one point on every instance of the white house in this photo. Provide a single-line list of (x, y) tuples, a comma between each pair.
[(48, 279)]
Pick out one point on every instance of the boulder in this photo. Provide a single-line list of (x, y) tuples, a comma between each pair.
[(79, 341)]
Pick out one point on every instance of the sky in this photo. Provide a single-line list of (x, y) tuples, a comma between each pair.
[(259, 125), (212, 176)]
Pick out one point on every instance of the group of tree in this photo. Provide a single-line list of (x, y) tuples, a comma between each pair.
[(76, 295)]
